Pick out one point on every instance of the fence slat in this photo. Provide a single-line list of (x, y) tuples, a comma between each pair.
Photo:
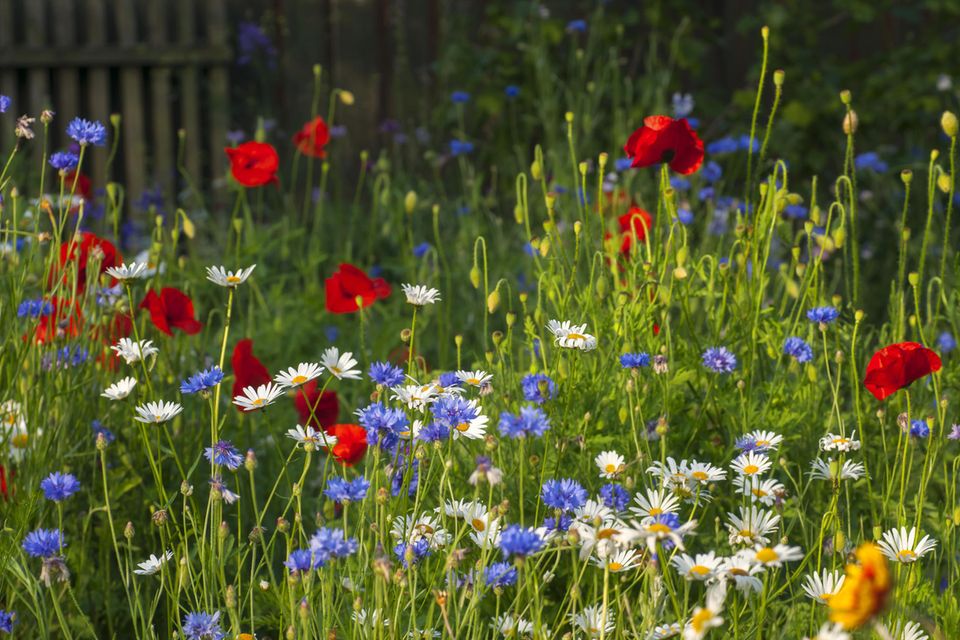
[(98, 82), (219, 95), (131, 90), (189, 98), (162, 169), (38, 80), (8, 77), (66, 81)]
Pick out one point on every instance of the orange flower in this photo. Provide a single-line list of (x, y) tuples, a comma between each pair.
[(864, 590)]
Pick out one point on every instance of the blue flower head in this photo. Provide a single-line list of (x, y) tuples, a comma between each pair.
[(634, 360), (4, 104), (449, 379), (722, 146), (383, 425), (531, 421), (796, 211), (252, 42), (399, 475), (460, 147), (798, 349), (679, 184), (43, 543), (202, 381), (946, 342), (711, 171), (34, 308), (823, 315), (719, 360), (538, 387), (622, 164), (459, 97), (421, 249), (224, 454), (744, 143), (499, 575), (343, 490), (511, 91), (563, 494), (86, 132), (328, 544), (452, 411), (870, 160), (919, 429), (98, 428), (560, 523), (64, 160), (203, 626), (614, 496), (299, 561), (59, 486), (745, 444), (684, 215), (433, 432), (386, 374), (518, 541), (412, 552), (7, 618), (577, 26)]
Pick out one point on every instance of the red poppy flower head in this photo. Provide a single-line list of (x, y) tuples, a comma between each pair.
[(351, 443), (254, 164), (64, 321), (172, 309), (79, 251), (350, 289), (662, 139), (316, 410), (248, 371), (634, 225), (84, 186), (898, 365), (312, 138)]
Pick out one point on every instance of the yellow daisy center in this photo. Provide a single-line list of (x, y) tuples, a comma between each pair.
[(762, 443), (699, 570), (751, 469), (760, 493), (298, 379), (606, 534), (463, 426), (767, 555), (20, 440), (737, 571), (746, 533), (478, 524), (576, 336), (233, 279), (257, 402), (614, 566), (658, 527), (474, 381), (906, 554), (610, 468), (840, 441), (699, 475), (10, 418), (655, 511), (700, 619)]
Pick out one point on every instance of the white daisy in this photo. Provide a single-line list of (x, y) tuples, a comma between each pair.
[(132, 351), (708, 616), (592, 619), (294, 377), (592, 512), (120, 389), (820, 586), (655, 503), (224, 278), (340, 366), (476, 378), (416, 397), (128, 271), (773, 556), (705, 473), (902, 546), (622, 560), (475, 429), (254, 398), (673, 475), (665, 631), (309, 435), (153, 564), (151, 268), (510, 627), (742, 573), (572, 336), (157, 412), (751, 463), (419, 295), (20, 439), (12, 416), (702, 567), (764, 440), (610, 463), (657, 530), (831, 470), (752, 526), (426, 527), (603, 537), (365, 619), (830, 631), (910, 631), (759, 490), (834, 442)]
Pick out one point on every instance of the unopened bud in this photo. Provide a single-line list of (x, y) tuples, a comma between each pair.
[(948, 121), (850, 122), (128, 531)]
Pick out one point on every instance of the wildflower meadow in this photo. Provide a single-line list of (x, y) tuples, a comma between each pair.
[(594, 372)]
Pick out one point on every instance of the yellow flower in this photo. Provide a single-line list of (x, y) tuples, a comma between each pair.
[(864, 590)]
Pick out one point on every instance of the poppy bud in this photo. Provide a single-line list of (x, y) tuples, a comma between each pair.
[(115, 119), (906, 176), (458, 340), (475, 277), (511, 318), (949, 123), (778, 77), (535, 172), (568, 116), (518, 214), (846, 97), (231, 597), (850, 122), (765, 32), (913, 278), (583, 168), (410, 202), (602, 160), (346, 97), (934, 154), (577, 227), (944, 181)]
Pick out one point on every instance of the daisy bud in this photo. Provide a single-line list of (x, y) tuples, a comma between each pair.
[(906, 176), (948, 121), (568, 116), (159, 518), (128, 531), (765, 32), (410, 202), (778, 77), (497, 337), (346, 97), (850, 122), (535, 171), (602, 160), (490, 443), (382, 496), (846, 97), (256, 534)]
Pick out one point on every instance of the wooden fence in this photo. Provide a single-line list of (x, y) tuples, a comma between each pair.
[(162, 64)]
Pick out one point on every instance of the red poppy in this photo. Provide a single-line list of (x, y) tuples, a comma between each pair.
[(348, 285), (351, 443), (254, 164), (3, 482), (325, 408), (84, 187), (248, 371), (110, 333), (172, 309), (64, 321), (80, 249), (896, 366), (634, 225), (663, 139), (312, 138)]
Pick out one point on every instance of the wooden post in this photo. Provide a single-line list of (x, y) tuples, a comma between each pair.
[(163, 170), (131, 89), (38, 80), (98, 87), (189, 98), (218, 96), (8, 81)]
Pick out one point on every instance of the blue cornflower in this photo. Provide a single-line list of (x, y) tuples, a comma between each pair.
[(4, 104), (531, 421), (66, 357), (946, 342), (745, 444), (327, 544), (64, 160), (331, 332), (634, 360), (383, 425), (224, 454), (560, 523), (421, 249), (86, 132), (343, 490), (460, 147), (722, 146), (399, 474), (253, 41), (386, 374), (202, 626), (679, 184), (43, 543), (682, 105), (449, 379), (98, 428), (452, 411), (538, 387), (719, 360), (511, 91), (434, 432), (798, 349), (459, 97), (744, 143), (563, 494), (684, 215), (59, 486), (919, 429), (299, 561), (577, 26), (706, 193), (413, 552), (823, 315), (622, 164), (870, 160), (517, 541), (796, 211), (711, 171), (500, 574), (954, 432), (34, 308), (614, 496), (7, 618), (202, 381)]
